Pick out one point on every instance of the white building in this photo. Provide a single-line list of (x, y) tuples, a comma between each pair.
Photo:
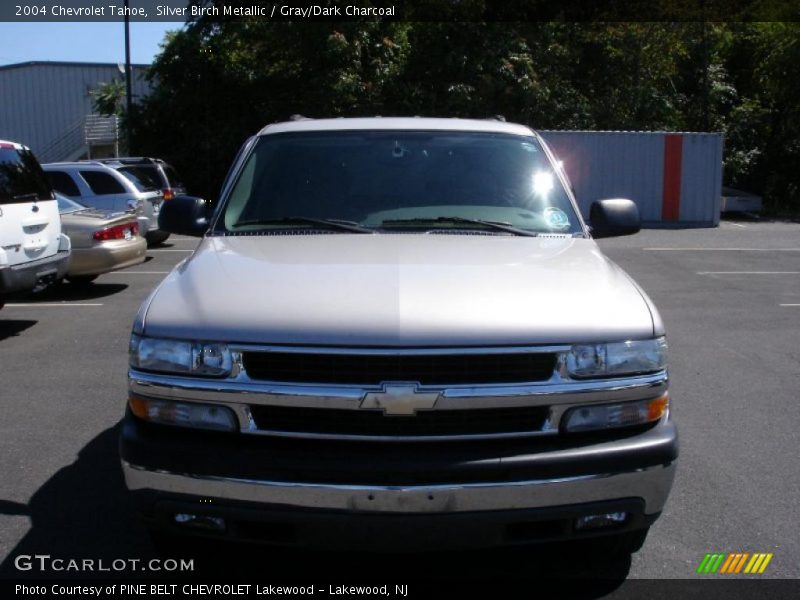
[(48, 106)]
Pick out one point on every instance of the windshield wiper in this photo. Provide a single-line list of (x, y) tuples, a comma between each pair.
[(498, 225), (327, 223)]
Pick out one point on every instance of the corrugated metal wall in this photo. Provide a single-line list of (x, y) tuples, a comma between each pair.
[(674, 178), (40, 102)]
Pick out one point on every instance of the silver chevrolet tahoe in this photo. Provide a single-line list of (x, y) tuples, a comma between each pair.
[(399, 333)]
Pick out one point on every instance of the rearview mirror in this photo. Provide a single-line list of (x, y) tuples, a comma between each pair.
[(184, 215), (614, 217)]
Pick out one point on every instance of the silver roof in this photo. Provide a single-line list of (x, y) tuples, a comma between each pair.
[(400, 123)]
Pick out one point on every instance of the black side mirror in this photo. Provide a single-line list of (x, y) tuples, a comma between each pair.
[(614, 217), (185, 215)]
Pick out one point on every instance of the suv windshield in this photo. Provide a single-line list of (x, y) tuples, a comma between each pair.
[(144, 178), (21, 177), (400, 180)]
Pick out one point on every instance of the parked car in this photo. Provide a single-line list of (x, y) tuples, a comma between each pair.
[(399, 332), (102, 241), (738, 201), (33, 251), (102, 187), (155, 171)]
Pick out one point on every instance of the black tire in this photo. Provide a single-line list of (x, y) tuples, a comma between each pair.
[(154, 238), (81, 279)]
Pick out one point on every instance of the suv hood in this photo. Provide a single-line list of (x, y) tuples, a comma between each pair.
[(398, 290)]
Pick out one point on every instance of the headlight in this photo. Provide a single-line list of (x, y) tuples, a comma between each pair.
[(620, 358), (180, 356)]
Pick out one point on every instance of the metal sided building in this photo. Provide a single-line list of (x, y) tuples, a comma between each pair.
[(674, 178), (48, 106)]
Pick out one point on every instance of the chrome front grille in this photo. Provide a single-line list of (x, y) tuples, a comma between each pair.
[(374, 369), (358, 394)]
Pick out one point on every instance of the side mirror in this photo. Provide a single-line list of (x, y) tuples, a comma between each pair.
[(184, 215), (613, 217)]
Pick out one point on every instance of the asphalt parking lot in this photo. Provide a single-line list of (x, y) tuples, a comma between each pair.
[(730, 298)]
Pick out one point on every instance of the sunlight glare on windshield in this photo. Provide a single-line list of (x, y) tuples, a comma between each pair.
[(542, 183)]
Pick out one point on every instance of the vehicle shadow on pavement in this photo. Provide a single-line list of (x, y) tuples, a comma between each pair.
[(83, 512), (68, 291), (13, 327)]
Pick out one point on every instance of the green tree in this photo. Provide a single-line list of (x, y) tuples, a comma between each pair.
[(217, 82), (107, 98)]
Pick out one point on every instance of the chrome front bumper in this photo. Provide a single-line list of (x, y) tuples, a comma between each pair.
[(296, 477), (650, 484)]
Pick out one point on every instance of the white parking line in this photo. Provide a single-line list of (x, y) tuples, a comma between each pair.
[(52, 304), (722, 249), (790, 305), (748, 272), (171, 250)]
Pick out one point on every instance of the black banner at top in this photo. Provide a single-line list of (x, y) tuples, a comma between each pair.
[(181, 11)]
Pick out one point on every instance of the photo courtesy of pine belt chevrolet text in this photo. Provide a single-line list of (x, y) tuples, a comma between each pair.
[(398, 333)]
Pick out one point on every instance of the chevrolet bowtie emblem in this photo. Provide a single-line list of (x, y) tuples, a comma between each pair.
[(399, 400)]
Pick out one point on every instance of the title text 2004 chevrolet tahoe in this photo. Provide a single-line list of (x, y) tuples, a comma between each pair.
[(399, 331)]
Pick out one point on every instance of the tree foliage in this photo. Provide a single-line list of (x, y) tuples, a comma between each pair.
[(218, 82), (107, 97)]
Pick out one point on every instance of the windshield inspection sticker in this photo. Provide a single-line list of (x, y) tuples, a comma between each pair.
[(556, 218)]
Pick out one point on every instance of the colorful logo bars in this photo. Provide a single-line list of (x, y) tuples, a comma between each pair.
[(733, 563)]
